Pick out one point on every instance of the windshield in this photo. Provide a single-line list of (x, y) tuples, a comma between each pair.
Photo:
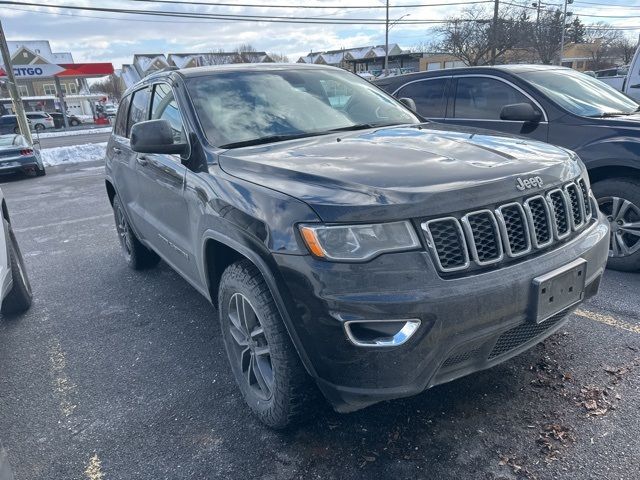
[(271, 105), (7, 141), (581, 94)]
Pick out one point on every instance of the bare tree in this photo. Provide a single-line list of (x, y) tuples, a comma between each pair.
[(279, 57), (247, 53), (624, 48), (469, 36), (110, 85), (217, 57), (603, 38), (546, 36)]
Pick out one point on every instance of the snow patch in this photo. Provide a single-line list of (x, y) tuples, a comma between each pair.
[(70, 133), (89, 152)]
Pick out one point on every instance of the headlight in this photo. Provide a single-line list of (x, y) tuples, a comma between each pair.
[(358, 242)]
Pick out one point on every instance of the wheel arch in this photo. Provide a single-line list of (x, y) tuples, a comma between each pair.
[(232, 250), (111, 191), (612, 170), (5, 211)]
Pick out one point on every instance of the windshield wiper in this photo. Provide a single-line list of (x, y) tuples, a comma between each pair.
[(270, 139), (611, 114), (361, 126)]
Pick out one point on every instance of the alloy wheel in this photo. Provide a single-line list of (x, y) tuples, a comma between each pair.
[(624, 219), (250, 347), (123, 232)]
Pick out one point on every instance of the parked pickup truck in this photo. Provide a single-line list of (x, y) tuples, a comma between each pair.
[(349, 247)]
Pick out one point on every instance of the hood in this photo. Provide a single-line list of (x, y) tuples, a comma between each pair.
[(400, 172)]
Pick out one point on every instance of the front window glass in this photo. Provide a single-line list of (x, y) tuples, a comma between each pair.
[(164, 107), (581, 94), (429, 96), (138, 109), (483, 98), (271, 105)]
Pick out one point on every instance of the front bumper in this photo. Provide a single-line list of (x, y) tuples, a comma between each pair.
[(467, 324)]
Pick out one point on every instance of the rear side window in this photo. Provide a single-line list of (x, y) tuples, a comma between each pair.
[(483, 98), (138, 110), (120, 128), (429, 95)]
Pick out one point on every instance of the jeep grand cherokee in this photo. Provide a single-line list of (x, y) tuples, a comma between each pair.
[(347, 244)]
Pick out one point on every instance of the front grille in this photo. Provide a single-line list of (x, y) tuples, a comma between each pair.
[(560, 213), (448, 240), (461, 357), (483, 230), (585, 198), (487, 236), (521, 334)]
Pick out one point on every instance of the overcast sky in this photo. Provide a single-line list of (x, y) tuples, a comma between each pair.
[(100, 36)]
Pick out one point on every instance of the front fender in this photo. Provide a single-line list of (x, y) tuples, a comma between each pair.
[(263, 260), (622, 151)]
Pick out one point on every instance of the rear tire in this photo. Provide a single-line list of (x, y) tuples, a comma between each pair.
[(137, 256), (19, 297), (41, 173), (263, 360), (74, 123), (619, 200), (39, 127)]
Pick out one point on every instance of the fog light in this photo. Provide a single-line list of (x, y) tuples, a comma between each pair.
[(380, 333)]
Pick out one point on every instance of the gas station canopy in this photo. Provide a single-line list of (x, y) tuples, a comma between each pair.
[(76, 70)]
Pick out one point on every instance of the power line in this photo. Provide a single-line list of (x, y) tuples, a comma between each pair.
[(230, 17), (349, 7)]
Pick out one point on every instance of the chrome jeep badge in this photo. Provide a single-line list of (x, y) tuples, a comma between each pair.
[(529, 183)]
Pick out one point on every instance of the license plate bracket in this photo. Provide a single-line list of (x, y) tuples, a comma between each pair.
[(558, 290)]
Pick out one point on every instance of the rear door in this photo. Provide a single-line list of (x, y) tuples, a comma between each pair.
[(478, 100), (430, 95), (161, 179)]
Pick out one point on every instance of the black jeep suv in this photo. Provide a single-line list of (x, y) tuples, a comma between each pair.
[(347, 244)]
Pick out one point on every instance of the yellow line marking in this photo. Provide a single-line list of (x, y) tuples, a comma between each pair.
[(62, 384), (94, 469), (608, 320)]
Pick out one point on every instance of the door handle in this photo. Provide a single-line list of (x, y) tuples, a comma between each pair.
[(142, 160), (117, 150), (637, 85)]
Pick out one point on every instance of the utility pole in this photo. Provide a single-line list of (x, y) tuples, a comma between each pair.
[(494, 32), (386, 42), (18, 108), (564, 27)]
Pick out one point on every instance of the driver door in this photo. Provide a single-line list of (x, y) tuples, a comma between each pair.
[(161, 180)]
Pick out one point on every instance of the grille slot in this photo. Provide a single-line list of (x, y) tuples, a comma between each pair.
[(577, 205), (446, 238), (560, 211), (585, 198), (538, 213), (517, 336), (460, 357), (484, 238), (515, 230)]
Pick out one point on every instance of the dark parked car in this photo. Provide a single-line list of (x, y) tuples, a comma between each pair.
[(59, 122), (557, 105), (342, 239), (16, 155), (9, 124)]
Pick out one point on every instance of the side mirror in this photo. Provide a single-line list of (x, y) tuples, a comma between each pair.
[(521, 112), (155, 136), (409, 103)]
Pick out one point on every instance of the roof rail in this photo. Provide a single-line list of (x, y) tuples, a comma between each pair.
[(162, 70)]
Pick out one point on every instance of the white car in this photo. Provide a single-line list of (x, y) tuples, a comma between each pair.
[(15, 287), (41, 120)]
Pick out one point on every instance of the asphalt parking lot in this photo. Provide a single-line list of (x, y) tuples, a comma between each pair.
[(115, 374)]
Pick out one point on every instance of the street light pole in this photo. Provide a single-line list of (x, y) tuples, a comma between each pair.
[(18, 108), (494, 33), (564, 27), (386, 42)]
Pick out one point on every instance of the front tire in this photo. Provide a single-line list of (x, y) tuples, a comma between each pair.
[(137, 256), (39, 127), (264, 362), (619, 200), (19, 297)]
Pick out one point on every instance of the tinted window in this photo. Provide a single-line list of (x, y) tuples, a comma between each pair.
[(120, 127), (483, 98), (429, 96), (165, 107), (138, 110)]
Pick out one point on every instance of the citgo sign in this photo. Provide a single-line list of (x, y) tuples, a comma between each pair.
[(34, 71)]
